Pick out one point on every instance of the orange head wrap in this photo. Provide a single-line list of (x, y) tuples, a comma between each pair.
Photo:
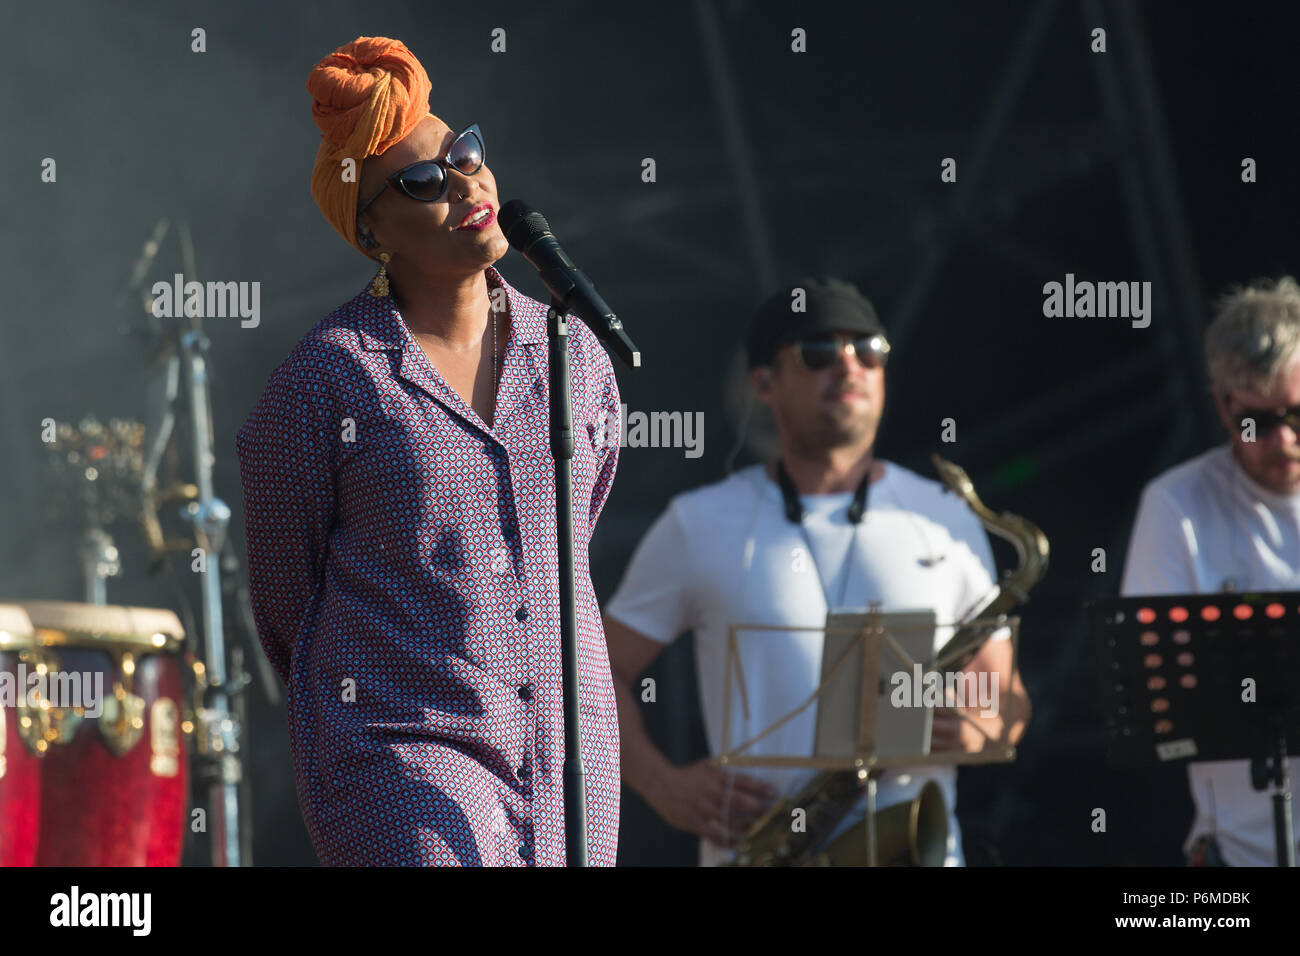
[(366, 96)]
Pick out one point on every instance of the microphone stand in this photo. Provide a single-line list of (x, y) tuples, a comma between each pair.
[(561, 420), (527, 230), (561, 414)]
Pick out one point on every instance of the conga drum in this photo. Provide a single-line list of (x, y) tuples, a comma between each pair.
[(114, 771), (20, 780)]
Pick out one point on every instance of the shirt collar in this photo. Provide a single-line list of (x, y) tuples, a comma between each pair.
[(1253, 491), (380, 326)]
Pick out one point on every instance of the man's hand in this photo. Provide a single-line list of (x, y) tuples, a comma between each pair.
[(951, 732), (694, 798), (1003, 724)]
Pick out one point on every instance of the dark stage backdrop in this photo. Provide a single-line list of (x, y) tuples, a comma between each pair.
[(1123, 165)]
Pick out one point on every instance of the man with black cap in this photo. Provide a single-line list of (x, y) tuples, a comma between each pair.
[(826, 525)]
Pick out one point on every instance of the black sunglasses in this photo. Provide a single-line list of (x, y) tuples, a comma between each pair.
[(1266, 419), (820, 352), (426, 181)]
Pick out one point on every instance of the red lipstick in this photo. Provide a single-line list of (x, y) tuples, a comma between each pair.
[(483, 221)]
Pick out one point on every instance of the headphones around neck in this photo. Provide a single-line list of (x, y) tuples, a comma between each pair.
[(857, 509), (794, 507)]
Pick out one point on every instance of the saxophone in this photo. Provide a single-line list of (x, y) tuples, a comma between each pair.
[(914, 833)]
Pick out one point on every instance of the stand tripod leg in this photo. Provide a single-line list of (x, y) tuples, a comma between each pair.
[(1274, 769), (1283, 828), (871, 820), (1282, 824)]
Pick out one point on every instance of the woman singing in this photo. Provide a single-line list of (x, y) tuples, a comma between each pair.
[(399, 501)]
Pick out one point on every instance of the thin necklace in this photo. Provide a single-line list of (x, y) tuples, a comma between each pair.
[(495, 375)]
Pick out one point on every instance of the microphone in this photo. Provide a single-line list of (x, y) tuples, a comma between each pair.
[(526, 229)]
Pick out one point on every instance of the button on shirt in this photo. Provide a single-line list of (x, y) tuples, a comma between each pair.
[(404, 578)]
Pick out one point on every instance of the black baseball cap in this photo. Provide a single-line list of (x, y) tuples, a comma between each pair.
[(829, 305)]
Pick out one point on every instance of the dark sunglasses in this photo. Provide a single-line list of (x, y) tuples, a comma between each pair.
[(426, 181), (1266, 419), (820, 352)]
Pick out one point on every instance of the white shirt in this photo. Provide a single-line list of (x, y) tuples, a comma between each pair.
[(1201, 525), (725, 554)]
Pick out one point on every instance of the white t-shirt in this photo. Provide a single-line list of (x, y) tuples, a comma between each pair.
[(1202, 527), (725, 554)]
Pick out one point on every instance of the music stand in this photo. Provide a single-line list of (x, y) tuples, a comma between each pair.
[(857, 727), (1174, 675)]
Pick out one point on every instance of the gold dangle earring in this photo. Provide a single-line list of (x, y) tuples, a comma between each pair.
[(379, 287)]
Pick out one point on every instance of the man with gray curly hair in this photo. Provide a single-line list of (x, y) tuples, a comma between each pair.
[(1229, 520)]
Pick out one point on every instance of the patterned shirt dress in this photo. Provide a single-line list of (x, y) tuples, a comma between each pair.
[(404, 579)]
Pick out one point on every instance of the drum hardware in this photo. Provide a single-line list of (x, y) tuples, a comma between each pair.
[(96, 467), (216, 734), (195, 705), (150, 721), (73, 797), (33, 719), (41, 725), (99, 561), (122, 723), (180, 348), (908, 833), (204, 724), (19, 773), (164, 739), (6, 638), (155, 500)]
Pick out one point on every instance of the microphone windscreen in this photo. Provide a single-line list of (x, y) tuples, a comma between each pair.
[(522, 224)]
